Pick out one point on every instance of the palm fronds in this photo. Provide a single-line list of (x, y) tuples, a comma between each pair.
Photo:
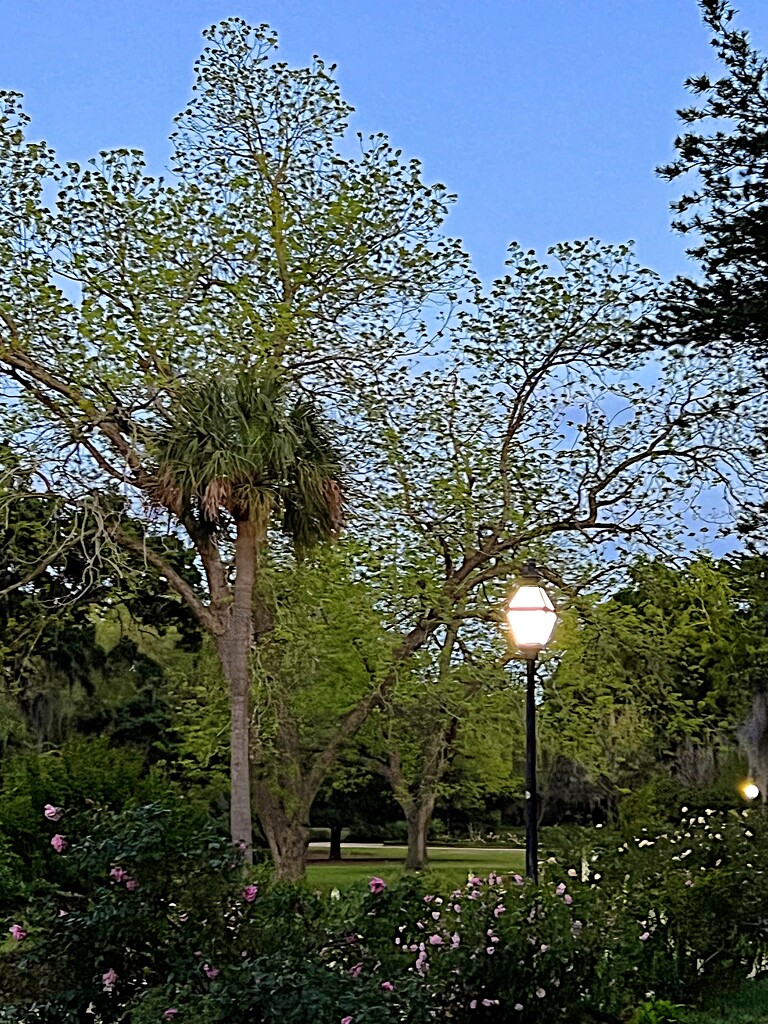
[(238, 445)]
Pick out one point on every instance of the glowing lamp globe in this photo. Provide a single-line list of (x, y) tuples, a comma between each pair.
[(750, 791), (531, 616)]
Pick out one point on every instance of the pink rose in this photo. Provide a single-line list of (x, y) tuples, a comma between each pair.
[(211, 972), (518, 880), (170, 1013), (645, 936), (52, 813), (59, 843), (498, 911), (387, 986), (109, 980), (560, 889), (346, 1020), (17, 932), (435, 940), (356, 971), (250, 892), (118, 874), (568, 899), (376, 885)]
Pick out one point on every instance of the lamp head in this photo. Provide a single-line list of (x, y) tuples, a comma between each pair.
[(530, 614)]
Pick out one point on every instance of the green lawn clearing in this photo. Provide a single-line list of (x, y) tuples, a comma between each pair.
[(449, 866)]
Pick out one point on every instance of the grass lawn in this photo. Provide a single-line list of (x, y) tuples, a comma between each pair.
[(449, 866), (748, 1005)]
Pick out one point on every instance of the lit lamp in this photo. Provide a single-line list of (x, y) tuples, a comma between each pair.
[(749, 790), (531, 617)]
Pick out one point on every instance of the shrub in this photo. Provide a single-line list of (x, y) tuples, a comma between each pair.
[(151, 914)]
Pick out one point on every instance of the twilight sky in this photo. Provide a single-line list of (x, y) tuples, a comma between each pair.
[(547, 117)]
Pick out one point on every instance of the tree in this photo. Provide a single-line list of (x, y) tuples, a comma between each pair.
[(56, 673), (442, 711), (133, 305), (724, 144), (660, 675)]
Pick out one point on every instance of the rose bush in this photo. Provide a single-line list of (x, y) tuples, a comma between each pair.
[(151, 919)]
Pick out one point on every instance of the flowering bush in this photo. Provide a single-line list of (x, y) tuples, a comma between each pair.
[(154, 921)]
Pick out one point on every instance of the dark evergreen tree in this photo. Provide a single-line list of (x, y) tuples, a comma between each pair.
[(725, 144)]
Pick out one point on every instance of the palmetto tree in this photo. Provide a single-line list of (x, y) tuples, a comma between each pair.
[(238, 456)]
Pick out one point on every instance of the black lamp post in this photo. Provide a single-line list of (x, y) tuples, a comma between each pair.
[(531, 617)]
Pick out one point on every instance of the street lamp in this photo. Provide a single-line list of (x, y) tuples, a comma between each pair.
[(531, 617)]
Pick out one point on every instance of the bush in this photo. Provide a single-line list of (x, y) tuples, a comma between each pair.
[(151, 914)]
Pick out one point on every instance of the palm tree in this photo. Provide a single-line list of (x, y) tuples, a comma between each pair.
[(238, 456)]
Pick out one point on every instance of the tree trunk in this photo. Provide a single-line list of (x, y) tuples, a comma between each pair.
[(284, 821), (418, 817), (234, 647), (288, 843), (335, 850)]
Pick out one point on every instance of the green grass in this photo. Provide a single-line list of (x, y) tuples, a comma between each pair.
[(447, 866), (748, 1005)]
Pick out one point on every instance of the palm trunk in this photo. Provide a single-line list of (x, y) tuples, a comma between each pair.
[(234, 646)]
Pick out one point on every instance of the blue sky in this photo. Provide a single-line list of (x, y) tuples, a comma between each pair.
[(547, 117)]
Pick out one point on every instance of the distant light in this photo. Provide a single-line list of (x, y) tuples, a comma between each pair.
[(749, 790)]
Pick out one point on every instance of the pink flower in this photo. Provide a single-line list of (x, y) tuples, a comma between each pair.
[(435, 940), (457, 908), (250, 893), (560, 889), (689, 882), (518, 880), (356, 971), (544, 947), (645, 936), (490, 950), (387, 986), (17, 932), (52, 813), (376, 885), (455, 940), (475, 880), (118, 874), (211, 972), (59, 843), (568, 899), (540, 993), (170, 1013), (498, 911), (109, 980), (436, 915), (473, 1005), (346, 1020)]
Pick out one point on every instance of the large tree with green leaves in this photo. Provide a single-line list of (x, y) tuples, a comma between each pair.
[(167, 336), (174, 338)]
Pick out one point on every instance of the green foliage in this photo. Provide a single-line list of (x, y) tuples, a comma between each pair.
[(661, 674), (156, 915), (85, 770), (723, 144), (238, 443)]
